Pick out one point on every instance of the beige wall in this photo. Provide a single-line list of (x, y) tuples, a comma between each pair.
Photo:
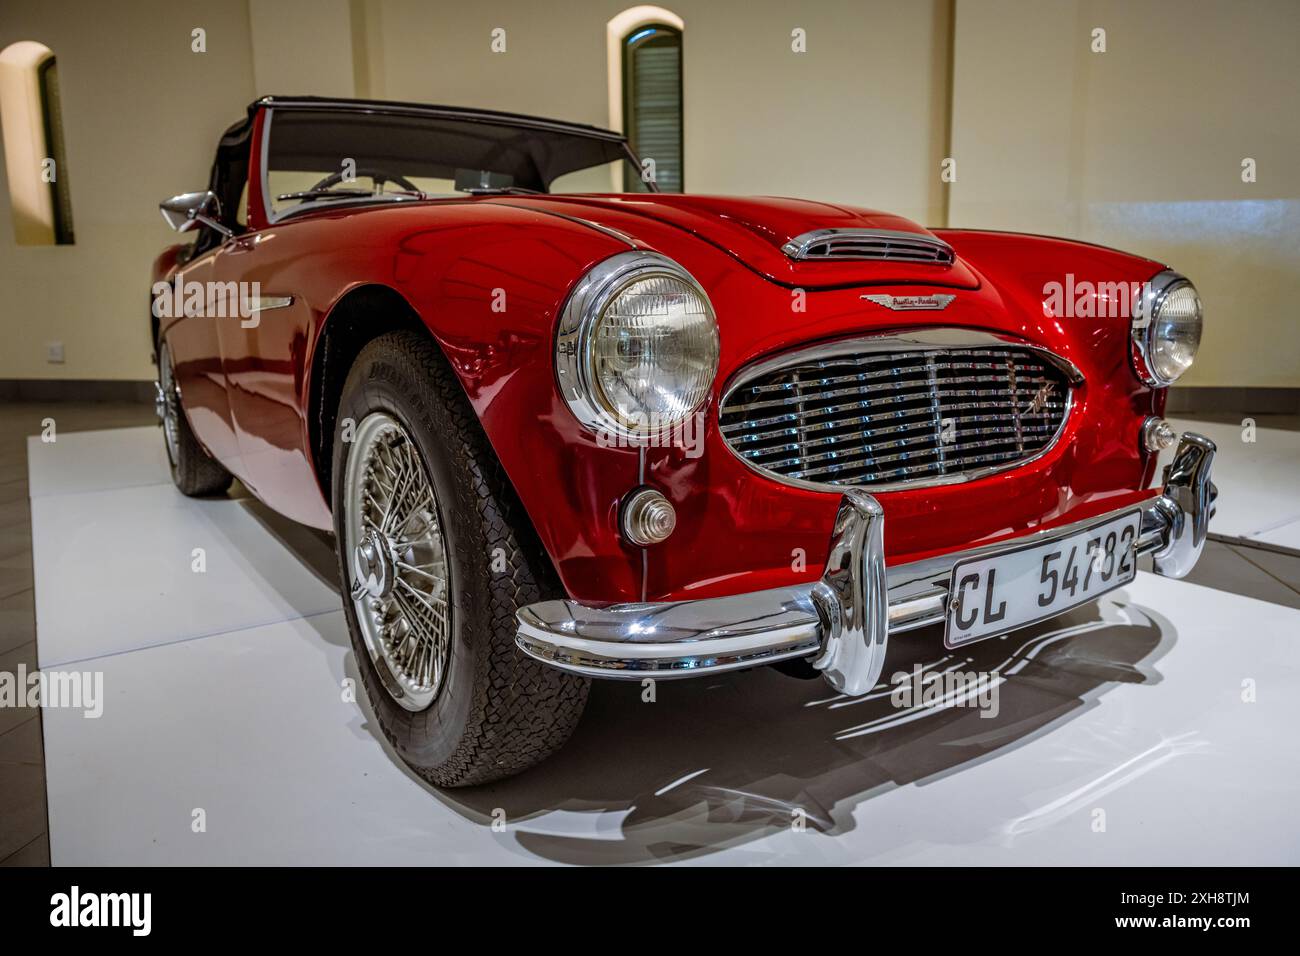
[(142, 115), (1139, 147), (860, 117), (289, 60)]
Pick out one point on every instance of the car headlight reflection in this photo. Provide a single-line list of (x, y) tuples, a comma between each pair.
[(637, 345), (1166, 329)]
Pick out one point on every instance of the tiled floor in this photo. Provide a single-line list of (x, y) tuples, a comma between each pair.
[(23, 836), (1233, 566)]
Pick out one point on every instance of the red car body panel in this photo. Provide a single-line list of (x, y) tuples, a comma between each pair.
[(753, 229), (247, 390)]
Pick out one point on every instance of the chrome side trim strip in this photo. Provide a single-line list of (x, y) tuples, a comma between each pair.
[(266, 303)]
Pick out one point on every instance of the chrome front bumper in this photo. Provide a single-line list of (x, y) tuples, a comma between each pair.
[(842, 622)]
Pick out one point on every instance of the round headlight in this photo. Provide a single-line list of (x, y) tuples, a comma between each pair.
[(637, 345), (1166, 329)]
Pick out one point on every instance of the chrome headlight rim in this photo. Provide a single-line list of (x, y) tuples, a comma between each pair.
[(575, 367), (1145, 321)]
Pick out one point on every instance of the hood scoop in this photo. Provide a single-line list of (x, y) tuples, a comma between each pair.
[(797, 243), (880, 245)]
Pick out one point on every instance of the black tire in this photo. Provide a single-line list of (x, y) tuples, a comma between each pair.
[(195, 472), (497, 711)]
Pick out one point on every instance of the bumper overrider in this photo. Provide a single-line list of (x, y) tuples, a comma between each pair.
[(842, 622)]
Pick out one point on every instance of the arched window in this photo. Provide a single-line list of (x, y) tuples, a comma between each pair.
[(645, 73), (35, 159), (652, 102)]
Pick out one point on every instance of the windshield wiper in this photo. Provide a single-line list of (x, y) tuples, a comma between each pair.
[(325, 194), (502, 191)]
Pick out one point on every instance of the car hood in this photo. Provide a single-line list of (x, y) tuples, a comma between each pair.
[(753, 229)]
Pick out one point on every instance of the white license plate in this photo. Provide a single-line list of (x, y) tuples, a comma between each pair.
[(1001, 592)]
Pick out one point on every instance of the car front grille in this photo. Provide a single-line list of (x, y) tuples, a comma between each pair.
[(869, 417)]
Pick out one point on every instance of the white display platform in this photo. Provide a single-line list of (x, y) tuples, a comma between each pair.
[(1122, 735), (1260, 498)]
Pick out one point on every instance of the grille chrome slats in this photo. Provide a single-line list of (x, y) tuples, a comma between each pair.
[(989, 437), (935, 448), (761, 454), (732, 434), (902, 417), (866, 389), (888, 399)]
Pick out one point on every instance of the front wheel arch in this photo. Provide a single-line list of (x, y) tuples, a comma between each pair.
[(361, 315)]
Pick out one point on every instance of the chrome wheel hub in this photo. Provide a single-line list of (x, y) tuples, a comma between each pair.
[(159, 402), (399, 576), (374, 564)]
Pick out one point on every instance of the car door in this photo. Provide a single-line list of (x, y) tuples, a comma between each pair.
[(192, 334), (265, 350)]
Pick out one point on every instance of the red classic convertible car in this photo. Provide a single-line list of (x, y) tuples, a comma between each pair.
[(563, 431)]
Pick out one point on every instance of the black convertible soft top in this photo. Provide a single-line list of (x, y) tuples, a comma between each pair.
[(435, 141), (426, 109)]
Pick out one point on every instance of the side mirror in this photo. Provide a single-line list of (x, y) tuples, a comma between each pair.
[(188, 210)]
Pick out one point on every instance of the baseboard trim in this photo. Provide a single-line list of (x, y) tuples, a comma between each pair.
[(75, 390), (1247, 400)]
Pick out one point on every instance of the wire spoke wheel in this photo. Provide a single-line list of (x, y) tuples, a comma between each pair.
[(399, 577), (421, 511), (167, 405), (194, 470)]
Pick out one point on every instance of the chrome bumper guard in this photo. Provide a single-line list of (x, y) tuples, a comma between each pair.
[(842, 622)]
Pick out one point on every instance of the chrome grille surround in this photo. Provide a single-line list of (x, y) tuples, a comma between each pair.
[(879, 244), (874, 412)]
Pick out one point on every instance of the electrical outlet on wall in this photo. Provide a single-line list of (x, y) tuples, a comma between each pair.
[(54, 353)]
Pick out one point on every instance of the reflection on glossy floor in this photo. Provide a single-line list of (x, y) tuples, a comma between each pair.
[(1121, 733)]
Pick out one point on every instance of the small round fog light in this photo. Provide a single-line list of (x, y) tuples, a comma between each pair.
[(648, 517), (1157, 434)]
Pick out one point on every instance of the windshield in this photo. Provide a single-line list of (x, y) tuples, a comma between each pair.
[(321, 157)]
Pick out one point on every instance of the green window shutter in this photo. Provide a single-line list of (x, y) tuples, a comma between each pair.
[(652, 102), (52, 117)]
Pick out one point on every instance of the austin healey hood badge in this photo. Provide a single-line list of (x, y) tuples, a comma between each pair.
[(908, 303)]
